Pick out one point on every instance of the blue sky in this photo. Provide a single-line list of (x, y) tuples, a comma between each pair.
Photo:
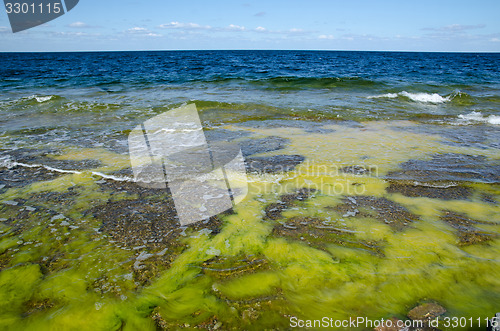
[(437, 25)]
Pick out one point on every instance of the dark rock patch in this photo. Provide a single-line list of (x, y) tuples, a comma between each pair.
[(262, 145), (274, 210), (151, 228), (139, 223), (42, 157), (72, 164), (130, 188), (29, 155), (19, 176), (382, 209), (34, 306), (151, 222), (318, 232), (273, 164), (213, 135), (59, 198), (466, 228), (426, 311), (393, 325), (315, 227), (449, 167), (478, 136), (434, 190), (489, 198)]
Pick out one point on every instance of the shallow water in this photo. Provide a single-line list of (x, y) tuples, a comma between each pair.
[(364, 200)]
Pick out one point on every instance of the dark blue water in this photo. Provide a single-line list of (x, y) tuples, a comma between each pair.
[(109, 92), (139, 69)]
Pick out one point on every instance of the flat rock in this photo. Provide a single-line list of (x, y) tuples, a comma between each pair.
[(273, 211), (467, 229), (436, 190), (449, 167), (382, 209), (426, 311)]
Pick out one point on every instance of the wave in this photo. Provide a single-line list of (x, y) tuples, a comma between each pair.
[(477, 117), (457, 97), (7, 162), (41, 99), (418, 97), (296, 82)]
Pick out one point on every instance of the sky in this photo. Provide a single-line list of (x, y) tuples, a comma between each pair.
[(371, 25)]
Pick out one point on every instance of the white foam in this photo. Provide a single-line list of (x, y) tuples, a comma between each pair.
[(7, 162), (43, 99), (418, 97), (115, 178), (478, 117), (40, 98)]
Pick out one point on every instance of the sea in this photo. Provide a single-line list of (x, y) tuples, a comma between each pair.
[(370, 191)]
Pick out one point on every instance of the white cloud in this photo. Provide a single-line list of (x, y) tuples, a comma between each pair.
[(78, 25), (326, 36), (138, 31), (260, 29), (495, 40), (186, 26), (456, 28), (233, 27)]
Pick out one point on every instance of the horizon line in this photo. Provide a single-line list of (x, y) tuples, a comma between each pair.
[(271, 50)]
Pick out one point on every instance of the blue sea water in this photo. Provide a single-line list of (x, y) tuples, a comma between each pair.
[(361, 85), (93, 99)]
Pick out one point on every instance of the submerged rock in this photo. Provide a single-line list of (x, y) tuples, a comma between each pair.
[(218, 134), (478, 136), (393, 322), (262, 145), (274, 210), (19, 176), (466, 228), (430, 190), (449, 167), (36, 306), (382, 209), (233, 266), (318, 233), (426, 311)]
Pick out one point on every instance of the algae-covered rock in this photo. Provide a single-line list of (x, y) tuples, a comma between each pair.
[(224, 267), (434, 190), (17, 285), (382, 209), (274, 210), (467, 229), (426, 311)]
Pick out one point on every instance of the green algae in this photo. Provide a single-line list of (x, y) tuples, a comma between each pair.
[(61, 268)]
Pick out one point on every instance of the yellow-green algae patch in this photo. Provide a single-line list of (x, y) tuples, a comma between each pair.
[(57, 258)]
